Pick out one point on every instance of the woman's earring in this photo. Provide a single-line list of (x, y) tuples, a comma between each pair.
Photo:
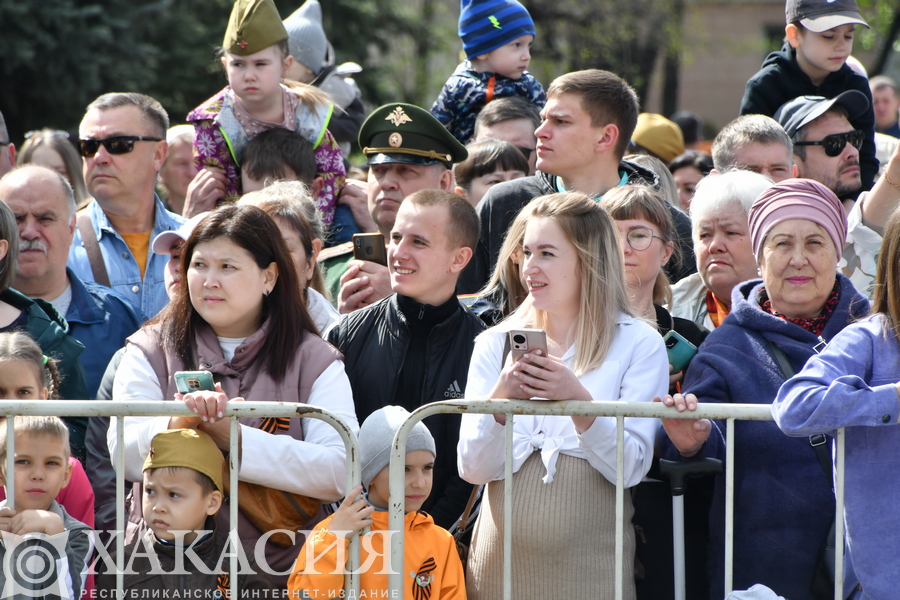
[(266, 293)]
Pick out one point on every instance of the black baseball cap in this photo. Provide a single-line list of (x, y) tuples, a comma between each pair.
[(803, 110), (822, 15)]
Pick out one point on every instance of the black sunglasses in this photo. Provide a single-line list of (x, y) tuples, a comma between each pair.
[(834, 144), (117, 144), (526, 151)]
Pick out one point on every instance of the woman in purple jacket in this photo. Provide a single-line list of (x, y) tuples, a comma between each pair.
[(853, 383), (783, 505)]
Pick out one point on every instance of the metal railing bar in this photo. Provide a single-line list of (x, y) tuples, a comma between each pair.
[(729, 503), (507, 508), (620, 507)]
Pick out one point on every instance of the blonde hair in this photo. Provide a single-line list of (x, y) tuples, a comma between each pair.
[(506, 280), (604, 294), (886, 297), (26, 424)]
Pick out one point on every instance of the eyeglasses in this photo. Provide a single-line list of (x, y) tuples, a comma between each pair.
[(640, 238), (117, 144), (834, 144), (526, 151)]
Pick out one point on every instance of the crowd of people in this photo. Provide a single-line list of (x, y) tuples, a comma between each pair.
[(514, 242)]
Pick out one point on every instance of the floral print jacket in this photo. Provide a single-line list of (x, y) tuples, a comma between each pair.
[(219, 141)]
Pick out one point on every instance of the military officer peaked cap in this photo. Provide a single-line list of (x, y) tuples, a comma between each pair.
[(404, 133), (254, 25)]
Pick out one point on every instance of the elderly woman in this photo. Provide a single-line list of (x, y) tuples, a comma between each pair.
[(853, 384), (784, 505), (722, 247)]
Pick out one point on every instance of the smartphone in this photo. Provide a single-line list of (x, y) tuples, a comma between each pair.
[(369, 246), (525, 341), (680, 351), (194, 381)]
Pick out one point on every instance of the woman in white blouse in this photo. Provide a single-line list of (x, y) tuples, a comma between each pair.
[(565, 467), (238, 314)]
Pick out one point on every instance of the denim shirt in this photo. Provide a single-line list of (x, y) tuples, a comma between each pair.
[(148, 296), (100, 319)]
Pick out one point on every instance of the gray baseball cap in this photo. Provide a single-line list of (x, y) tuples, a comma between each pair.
[(822, 15), (803, 110)]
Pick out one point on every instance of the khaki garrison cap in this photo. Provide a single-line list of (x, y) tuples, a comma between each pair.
[(254, 25), (404, 133), (186, 448)]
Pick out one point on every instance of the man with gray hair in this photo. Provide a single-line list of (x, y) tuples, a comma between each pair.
[(44, 206), (7, 149), (179, 168), (754, 143), (123, 143)]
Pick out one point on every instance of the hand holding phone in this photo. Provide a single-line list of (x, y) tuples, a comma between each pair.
[(525, 341), (369, 246), (679, 350), (194, 381)]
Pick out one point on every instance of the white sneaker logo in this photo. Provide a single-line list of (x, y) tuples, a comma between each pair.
[(453, 391)]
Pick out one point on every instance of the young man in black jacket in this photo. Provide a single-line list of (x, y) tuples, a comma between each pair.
[(414, 346)]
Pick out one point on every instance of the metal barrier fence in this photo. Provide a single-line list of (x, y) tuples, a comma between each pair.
[(235, 410), (619, 410), (509, 408)]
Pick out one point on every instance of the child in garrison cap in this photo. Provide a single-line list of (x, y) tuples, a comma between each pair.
[(431, 568), (256, 57), (182, 493), (497, 37)]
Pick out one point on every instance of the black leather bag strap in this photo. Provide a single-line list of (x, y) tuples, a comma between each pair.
[(92, 247), (817, 441), (782, 360)]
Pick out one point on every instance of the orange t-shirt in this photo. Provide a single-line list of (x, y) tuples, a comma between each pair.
[(139, 244)]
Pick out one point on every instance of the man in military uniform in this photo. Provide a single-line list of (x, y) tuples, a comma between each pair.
[(407, 150)]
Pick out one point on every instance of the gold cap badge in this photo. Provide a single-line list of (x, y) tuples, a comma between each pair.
[(398, 117)]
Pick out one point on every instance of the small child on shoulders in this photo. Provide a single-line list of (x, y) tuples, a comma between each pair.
[(36, 524), (497, 37), (431, 568), (182, 492), (256, 57), (813, 62)]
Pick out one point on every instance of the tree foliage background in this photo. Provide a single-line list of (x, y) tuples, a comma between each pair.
[(58, 55)]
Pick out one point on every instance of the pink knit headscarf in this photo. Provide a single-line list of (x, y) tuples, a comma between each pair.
[(798, 199)]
